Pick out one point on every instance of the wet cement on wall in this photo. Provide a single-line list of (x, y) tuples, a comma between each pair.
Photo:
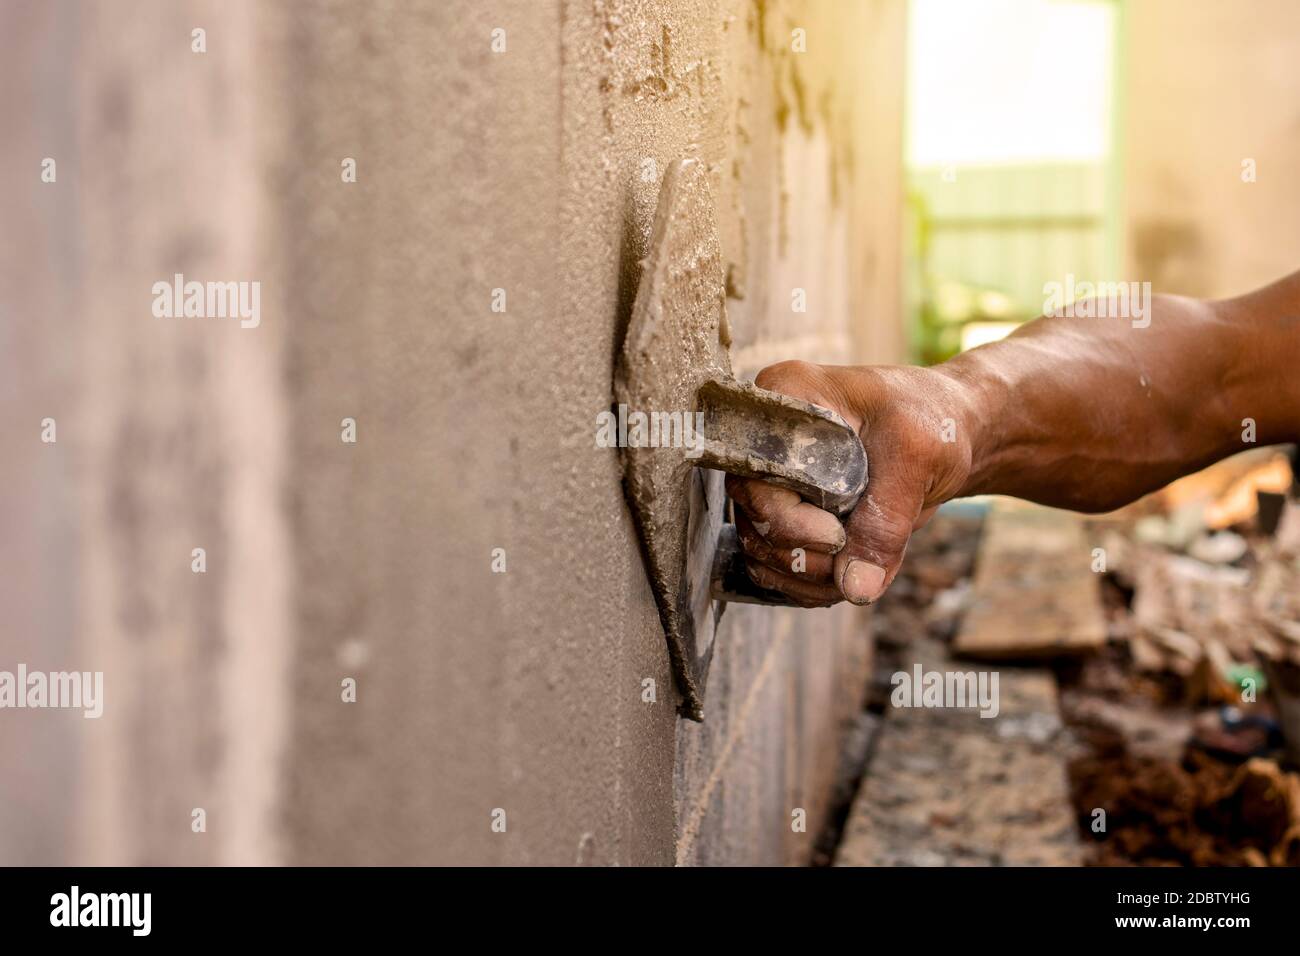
[(477, 691), (534, 171), (477, 434)]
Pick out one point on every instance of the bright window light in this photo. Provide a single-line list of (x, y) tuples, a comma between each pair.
[(998, 81)]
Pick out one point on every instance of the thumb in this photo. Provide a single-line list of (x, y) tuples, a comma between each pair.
[(878, 532)]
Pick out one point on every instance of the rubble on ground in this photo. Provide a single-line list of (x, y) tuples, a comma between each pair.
[(1183, 726)]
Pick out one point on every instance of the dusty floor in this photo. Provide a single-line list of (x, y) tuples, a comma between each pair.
[(1170, 727)]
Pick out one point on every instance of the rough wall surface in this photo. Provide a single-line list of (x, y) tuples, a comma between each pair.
[(534, 171), (796, 175), (479, 691), (169, 438)]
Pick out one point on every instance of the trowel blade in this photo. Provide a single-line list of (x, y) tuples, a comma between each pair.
[(676, 340)]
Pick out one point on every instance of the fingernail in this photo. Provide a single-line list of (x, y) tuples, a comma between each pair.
[(839, 541), (862, 581)]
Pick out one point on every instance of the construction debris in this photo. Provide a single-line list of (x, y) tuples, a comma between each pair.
[(1163, 717), (1198, 813), (1186, 722)]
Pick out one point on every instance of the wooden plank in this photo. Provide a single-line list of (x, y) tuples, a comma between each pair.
[(946, 787), (1035, 594)]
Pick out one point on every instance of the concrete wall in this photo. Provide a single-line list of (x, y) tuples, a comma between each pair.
[(1210, 84), (524, 171)]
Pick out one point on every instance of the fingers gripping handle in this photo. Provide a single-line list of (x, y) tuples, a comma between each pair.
[(755, 433)]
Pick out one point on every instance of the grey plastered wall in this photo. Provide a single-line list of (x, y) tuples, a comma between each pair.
[(525, 171)]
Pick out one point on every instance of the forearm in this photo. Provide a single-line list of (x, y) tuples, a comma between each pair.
[(1090, 413), (1082, 413)]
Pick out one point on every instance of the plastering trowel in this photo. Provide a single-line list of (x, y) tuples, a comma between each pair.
[(675, 363)]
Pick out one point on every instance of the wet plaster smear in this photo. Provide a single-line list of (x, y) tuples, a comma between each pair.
[(535, 171)]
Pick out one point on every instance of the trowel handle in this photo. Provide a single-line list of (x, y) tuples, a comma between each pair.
[(755, 433)]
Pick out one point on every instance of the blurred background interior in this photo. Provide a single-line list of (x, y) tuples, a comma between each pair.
[(1094, 138), (1105, 141)]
